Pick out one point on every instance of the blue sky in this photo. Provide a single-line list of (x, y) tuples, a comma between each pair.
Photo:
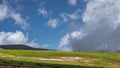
[(47, 20), (78, 25)]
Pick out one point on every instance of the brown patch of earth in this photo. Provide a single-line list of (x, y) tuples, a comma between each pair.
[(65, 59)]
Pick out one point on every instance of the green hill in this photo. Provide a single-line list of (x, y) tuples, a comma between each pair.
[(57, 59)]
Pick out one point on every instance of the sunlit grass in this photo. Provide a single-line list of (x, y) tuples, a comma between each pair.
[(99, 59)]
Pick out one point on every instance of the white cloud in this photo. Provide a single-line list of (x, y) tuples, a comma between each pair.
[(53, 23), (17, 37), (33, 43), (76, 15), (6, 11), (3, 11), (12, 37), (71, 16), (43, 12), (64, 40), (45, 45), (19, 20), (100, 30), (72, 2), (76, 35), (63, 15)]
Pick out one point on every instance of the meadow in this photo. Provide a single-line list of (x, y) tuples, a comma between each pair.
[(58, 59)]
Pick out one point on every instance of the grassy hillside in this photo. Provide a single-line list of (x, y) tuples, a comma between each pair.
[(58, 59)]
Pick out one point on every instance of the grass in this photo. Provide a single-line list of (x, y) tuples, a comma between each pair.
[(30, 58)]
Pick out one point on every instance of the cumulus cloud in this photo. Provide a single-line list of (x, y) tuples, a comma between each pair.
[(100, 30), (76, 35), (17, 37), (72, 2), (53, 23), (6, 11), (12, 37)]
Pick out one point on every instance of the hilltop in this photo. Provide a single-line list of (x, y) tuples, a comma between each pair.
[(20, 47)]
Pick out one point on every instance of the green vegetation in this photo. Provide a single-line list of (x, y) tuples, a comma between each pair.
[(62, 59)]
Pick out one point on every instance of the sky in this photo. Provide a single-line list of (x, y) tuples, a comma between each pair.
[(78, 25), (38, 23)]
